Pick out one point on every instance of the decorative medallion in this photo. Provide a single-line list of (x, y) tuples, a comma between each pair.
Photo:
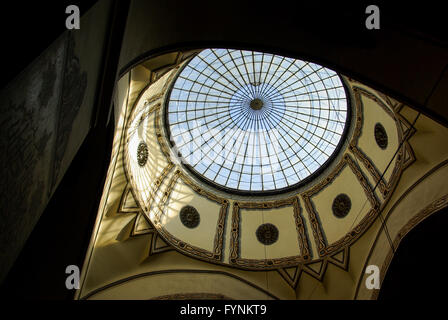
[(341, 206), (267, 234), (380, 136), (189, 217), (142, 154)]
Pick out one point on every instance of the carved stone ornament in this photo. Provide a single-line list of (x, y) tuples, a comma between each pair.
[(189, 217), (380, 136), (341, 206), (142, 154), (267, 234)]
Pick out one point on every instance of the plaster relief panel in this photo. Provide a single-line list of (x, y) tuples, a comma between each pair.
[(337, 214), (379, 139), (347, 179), (203, 235), (268, 234), (148, 177)]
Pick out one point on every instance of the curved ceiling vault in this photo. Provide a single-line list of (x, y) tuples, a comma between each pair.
[(315, 222), (294, 200)]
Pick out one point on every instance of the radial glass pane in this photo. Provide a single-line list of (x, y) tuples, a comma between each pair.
[(253, 121)]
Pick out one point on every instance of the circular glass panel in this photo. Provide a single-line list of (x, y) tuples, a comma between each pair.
[(255, 122)]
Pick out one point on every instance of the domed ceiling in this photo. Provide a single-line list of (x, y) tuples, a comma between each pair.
[(304, 188), (252, 122), (259, 162)]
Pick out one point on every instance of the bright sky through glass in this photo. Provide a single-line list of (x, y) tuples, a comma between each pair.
[(253, 121)]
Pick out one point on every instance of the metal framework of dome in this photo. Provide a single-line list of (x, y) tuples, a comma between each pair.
[(255, 122)]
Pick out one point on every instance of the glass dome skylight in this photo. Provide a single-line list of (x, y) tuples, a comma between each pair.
[(255, 122)]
